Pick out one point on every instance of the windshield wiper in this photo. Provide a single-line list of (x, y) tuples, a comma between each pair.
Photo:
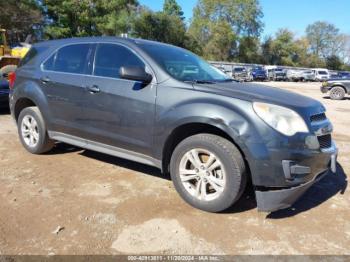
[(229, 80), (200, 81)]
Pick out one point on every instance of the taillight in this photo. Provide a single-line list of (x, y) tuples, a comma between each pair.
[(12, 79)]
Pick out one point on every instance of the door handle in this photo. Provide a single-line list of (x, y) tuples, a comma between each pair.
[(45, 80), (93, 89)]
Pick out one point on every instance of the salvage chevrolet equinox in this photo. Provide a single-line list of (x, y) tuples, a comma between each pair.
[(163, 106)]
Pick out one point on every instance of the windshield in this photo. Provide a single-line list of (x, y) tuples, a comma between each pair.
[(239, 69), (278, 70), (322, 73), (182, 64)]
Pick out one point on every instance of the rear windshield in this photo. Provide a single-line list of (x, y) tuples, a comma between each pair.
[(322, 73), (239, 69)]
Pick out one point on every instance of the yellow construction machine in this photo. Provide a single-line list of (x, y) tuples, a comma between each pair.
[(10, 58)]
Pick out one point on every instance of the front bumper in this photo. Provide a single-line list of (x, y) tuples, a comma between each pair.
[(324, 89), (275, 199)]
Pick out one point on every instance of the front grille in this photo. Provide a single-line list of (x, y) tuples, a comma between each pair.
[(325, 141), (318, 117)]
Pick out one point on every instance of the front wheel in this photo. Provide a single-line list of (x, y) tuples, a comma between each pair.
[(32, 131), (208, 172), (337, 93)]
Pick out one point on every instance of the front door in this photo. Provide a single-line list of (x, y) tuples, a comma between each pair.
[(119, 112)]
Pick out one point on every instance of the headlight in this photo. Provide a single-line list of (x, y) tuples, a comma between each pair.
[(284, 120)]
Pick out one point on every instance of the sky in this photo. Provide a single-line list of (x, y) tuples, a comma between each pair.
[(295, 15)]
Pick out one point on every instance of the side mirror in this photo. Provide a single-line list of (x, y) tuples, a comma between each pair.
[(135, 73)]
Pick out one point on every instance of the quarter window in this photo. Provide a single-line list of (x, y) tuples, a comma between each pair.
[(69, 59), (111, 57)]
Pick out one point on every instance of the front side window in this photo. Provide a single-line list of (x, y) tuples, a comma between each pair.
[(111, 57), (69, 59)]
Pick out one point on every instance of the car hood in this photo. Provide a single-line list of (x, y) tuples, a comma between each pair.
[(263, 93)]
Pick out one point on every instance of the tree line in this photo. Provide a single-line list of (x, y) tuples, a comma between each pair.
[(224, 30)]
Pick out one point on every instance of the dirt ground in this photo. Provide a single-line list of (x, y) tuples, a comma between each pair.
[(75, 201)]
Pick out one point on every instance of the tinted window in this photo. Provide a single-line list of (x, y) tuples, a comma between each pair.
[(69, 59), (110, 58)]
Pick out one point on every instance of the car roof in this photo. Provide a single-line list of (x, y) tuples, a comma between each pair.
[(98, 39)]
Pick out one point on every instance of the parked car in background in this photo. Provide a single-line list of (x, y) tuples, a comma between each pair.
[(309, 75), (294, 75), (259, 74), (333, 75), (241, 73), (277, 74), (342, 75), (321, 74), (337, 88), (163, 106), (4, 94)]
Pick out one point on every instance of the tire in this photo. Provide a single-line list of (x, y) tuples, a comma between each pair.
[(231, 172), (337, 93), (32, 131), (4, 71)]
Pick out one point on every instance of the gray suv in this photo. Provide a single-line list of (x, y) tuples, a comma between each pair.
[(163, 106)]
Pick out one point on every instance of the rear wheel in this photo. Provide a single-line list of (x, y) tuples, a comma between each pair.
[(208, 172), (32, 131), (337, 93)]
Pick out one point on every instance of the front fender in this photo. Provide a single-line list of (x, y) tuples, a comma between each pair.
[(232, 116)]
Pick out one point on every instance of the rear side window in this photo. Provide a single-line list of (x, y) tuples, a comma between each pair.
[(111, 57), (69, 59)]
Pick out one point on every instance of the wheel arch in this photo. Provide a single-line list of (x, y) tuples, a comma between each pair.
[(21, 104), (26, 94), (188, 129), (339, 85)]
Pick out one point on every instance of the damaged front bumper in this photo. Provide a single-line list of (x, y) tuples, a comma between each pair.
[(275, 199)]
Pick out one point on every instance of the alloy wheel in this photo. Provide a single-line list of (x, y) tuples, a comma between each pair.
[(202, 174)]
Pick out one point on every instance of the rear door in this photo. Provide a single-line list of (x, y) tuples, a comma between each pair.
[(119, 112), (62, 79)]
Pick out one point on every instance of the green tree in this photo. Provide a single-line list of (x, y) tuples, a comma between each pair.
[(248, 50), (266, 51), (20, 18), (283, 48), (69, 18), (160, 26), (220, 44), (322, 37), (171, 7), (334, 63), (238, 17)]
